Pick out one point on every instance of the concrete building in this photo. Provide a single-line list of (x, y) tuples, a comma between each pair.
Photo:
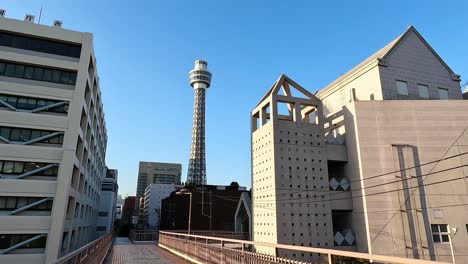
[(374, 162), (152, 203), (128, 210), (213, 208), (52, 141), (107, 203), (118, 207), (156, 172)]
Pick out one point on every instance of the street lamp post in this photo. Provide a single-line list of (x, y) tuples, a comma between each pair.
[(183, 192)]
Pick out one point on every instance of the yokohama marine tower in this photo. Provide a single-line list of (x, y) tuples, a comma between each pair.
[(200, 79)]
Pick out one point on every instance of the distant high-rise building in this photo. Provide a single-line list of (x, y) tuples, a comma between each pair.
[(157, 172), (200, 80), (52, 141), (107, 203)]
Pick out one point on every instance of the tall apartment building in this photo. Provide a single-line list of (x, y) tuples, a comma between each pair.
[(378, 166), (107, 203), (52, 141), (156, 172)]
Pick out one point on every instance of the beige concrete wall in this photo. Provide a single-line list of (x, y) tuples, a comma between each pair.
[(431, 129), (365, 83)]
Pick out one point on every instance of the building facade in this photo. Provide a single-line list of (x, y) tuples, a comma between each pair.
[(52, 143), (378, 166), (107, 203), (156, 172), (152, 203)]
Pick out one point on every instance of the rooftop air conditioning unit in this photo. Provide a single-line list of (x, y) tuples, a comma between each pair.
[(29, 18)]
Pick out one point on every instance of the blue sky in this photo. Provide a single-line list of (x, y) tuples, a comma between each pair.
[(145, 50)]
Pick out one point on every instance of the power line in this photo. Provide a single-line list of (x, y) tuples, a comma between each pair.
[(422, 182), (375, 176), (365, 188), (366, 195)]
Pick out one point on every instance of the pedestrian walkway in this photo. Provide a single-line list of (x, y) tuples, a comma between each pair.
[(124, 251)]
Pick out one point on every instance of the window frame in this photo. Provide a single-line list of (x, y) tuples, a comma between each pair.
[(426, 87), (441, 234), (446, 90), (398, 87)]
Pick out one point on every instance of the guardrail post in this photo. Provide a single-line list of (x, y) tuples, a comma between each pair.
[(330, 258), (222, 252)]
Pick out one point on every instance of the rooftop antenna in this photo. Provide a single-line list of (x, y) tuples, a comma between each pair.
[(40, 14)]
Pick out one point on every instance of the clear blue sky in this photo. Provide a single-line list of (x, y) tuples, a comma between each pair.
[(145, 50)]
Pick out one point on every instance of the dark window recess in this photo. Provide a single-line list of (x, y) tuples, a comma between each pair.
[(9, 240), (26, 134), (39, 45), (8, 203), (30, 103), (37, 73), (20, 167), (101, 228), (103, 214)]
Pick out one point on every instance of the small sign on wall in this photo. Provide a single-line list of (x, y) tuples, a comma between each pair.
[(29, 18), (438, 213)]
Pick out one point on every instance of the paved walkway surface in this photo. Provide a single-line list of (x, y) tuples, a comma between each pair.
[(124, 251)]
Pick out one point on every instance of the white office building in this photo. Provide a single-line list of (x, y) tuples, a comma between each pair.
[(154, 194), (52, 141), (107, 203)]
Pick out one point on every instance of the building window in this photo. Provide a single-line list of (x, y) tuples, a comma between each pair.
[(423, 91), (443, 93), (26, 134), (103, 214), (16, 70), (101, 228), (39, 45), (30, 103), (440, 233), (402, 88)]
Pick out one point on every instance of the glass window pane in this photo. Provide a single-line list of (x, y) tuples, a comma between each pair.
[(32, 103), (434, 228), (22, 103), (19, 71), (65, 78), (15, 134), (436, 238), (56, 76), (54, 140), (35, 134), (445, 238), (38, 74), (22, 202), (8, 167), (402, 88), (25, 134), (72, 78), (28, 166), (443, 94), (2, 203), (2, 68), (5, 132), (41, 103), (18, 169), (28, 72), (423, 91), (47, 75), (11, 203), (12, 100), (3, 98), (443, 228), (10, 70)]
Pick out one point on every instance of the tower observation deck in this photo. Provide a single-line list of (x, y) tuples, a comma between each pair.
[(200, 80)]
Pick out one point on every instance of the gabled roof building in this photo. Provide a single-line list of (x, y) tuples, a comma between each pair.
[(374, 162)]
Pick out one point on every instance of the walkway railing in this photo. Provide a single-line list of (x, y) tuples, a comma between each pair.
[(212, 250), (215, 233), (143, 235), (94, 252)]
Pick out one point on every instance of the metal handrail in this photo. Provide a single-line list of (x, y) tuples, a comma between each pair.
[(93, 252), (329, 252)]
